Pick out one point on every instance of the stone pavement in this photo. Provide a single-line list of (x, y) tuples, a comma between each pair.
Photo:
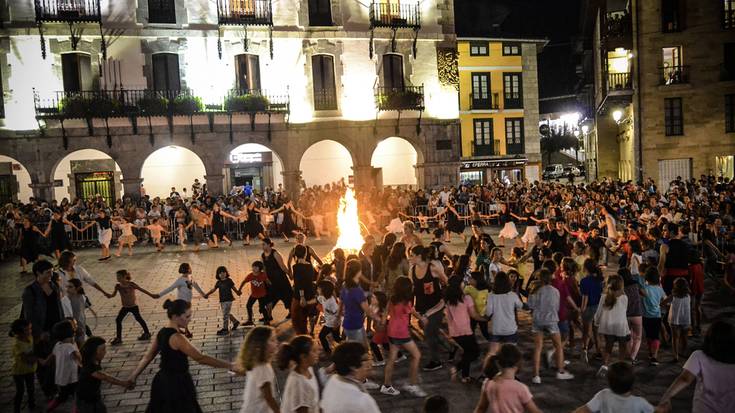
[(218, 391)]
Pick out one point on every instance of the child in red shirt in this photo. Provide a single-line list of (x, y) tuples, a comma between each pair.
[(258, 292)]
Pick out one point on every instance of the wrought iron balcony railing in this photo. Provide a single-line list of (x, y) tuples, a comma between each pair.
[(325, 99), (405, 98), (619, 81), (255, 101), (674, 75), (395, 15), (245, 12), (478, 103), (67, 11)]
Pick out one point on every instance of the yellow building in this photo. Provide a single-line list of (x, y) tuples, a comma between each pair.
[(498, 87)]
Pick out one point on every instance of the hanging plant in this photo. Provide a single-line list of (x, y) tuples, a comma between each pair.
[(246, 103), (187, 105), (153, 106)]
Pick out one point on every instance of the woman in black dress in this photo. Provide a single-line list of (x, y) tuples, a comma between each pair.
[(59, 238), (28, 244), (253, 227), (217, 218), (455, 222), (288, 227), (172, 390)]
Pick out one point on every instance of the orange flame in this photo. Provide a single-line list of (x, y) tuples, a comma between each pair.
[(348, 225)]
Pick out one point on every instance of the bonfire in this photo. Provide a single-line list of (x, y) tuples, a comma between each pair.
[(348, 226)]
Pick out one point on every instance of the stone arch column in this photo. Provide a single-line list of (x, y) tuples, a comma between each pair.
[(131, 165), (213, 160)]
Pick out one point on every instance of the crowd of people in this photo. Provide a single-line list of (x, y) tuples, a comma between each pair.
[(600, 267)]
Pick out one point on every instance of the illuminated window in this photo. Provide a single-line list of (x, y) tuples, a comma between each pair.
[(479, 49), (673, 70), (481, 91), (511, 49), (483, 137), (672, 15), (514, 135), (730, 113), (325, 93), (728, 14), (320, 13), (393, 71), (247, 72), (161, 11), (76, 70), (512, 94), (673, 117), (166, 72)]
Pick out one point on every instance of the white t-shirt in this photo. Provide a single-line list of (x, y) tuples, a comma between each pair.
[(613, 321), (66, 366), (606, 401), (680, 311), (300, 392), (502, 307), (713, 393), (252, 397), (331, 311), (342, 396)]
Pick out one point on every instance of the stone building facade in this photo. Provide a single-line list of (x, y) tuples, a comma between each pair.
[(664, 88), (355, 73)]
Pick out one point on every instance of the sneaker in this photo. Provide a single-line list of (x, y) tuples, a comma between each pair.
[(536, 380), (144, 337), (116, 341), (433, 366), (369, 385), (653, 361), (235, 324), (564, 375), (401, 358), (223, 332), (414, 390), (250, 323), (390, 391), (567, 362), (380, 363), (602, 372), (634, 362)]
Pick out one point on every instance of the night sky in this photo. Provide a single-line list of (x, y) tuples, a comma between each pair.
[(555, 20)]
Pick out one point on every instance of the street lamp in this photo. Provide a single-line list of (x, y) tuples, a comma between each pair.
[(617, 115)]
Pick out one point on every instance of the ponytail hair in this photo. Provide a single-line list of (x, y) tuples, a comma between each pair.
[(176, 307), (508, 356), (614, 285), (293, 351)]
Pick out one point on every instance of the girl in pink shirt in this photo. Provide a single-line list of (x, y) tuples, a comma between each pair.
[(460, 308), (501, 392), (400, 309)]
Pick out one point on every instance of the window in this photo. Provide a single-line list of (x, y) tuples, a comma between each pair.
[(322, 71), (479, 49), (728, 14), (514, 136), (320, 13), (730, 113), (393, 72), (483, 142), (247, 72), (443, 144), (512, 93), (728, 66), (166, 72), (673, 117), (481, 91), (161, 11), (673, 70), (672, 15), (511, 49), (76, 70)]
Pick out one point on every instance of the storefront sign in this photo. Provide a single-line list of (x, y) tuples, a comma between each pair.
[(493, 163), (250, 157)]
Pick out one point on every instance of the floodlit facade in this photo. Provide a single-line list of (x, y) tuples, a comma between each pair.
[(499, 112), (664, 89), (130, 77)]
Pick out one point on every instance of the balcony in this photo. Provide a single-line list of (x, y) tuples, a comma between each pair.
[(245, 12), (674, 75), (404, 98), (67, 11), (142, 102), (325, 99), (619, 81), (395, 15), (479, 103)]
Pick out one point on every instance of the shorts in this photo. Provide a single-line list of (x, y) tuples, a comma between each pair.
[(589, 314), (611, 339), (399, 341), (652, 328), (510, 338), (355, 335), (550, 328), (564, 327)]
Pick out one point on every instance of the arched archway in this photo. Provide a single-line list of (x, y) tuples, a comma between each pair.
[(397, 159), (255, 164), (86, 173), (325, 162), (14, 180), (172, 166)]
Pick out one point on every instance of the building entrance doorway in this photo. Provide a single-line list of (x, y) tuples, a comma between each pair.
[(91, 184)]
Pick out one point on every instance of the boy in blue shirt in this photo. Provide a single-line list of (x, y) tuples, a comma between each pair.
[(653, 294)]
